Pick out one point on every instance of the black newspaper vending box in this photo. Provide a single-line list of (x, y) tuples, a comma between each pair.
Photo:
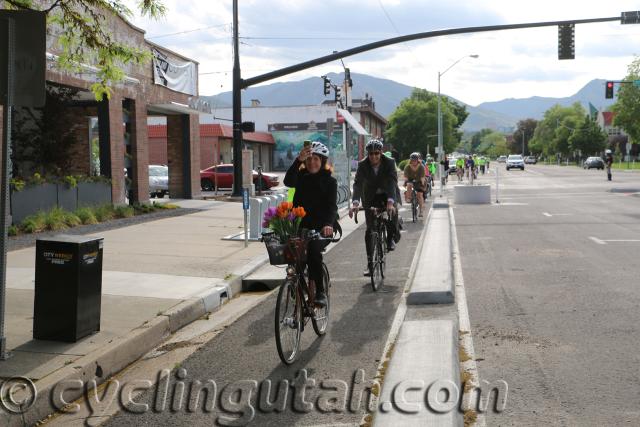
[(68, 287)]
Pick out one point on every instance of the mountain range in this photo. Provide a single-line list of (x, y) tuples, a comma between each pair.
[(387, 95)]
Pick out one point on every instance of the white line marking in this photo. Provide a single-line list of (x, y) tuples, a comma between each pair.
[(546, 214), (622, 240), (598, 241), (556, 214)]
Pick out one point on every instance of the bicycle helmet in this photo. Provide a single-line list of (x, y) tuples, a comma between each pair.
[(374, 145), (415, 156), (607, 151), (320, 149)]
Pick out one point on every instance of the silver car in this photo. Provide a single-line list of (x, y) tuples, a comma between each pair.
[(158, 180), (515, 161)]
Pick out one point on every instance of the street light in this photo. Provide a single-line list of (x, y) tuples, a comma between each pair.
[(440, 149)]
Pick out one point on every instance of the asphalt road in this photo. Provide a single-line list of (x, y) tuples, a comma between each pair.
[(245, 352), (552, 282)]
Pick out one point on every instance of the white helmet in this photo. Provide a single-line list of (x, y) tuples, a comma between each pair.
[(607, 151), (320, 149)]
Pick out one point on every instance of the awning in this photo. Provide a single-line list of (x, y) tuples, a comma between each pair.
[(353, 122), (174, 108)]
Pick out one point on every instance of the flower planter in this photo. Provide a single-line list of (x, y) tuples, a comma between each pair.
[(32, 199), (93, 193)]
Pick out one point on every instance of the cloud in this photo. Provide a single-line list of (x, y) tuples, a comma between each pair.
[(515, 63)]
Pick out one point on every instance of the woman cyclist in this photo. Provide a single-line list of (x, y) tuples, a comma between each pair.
[(414, 175), (317, 192)]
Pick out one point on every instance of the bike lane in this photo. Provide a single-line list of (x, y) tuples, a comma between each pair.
[(327, 385)]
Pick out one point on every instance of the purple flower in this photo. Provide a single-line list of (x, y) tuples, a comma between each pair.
[(265, 224), (291, 217), (269, 213)]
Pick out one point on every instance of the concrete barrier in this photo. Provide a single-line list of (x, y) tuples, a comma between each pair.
[(472, 194)]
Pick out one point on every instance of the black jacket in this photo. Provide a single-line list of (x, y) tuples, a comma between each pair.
[(316, 193), (367, 183)]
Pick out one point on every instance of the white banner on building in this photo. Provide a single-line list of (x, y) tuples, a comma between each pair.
[(178, 76)]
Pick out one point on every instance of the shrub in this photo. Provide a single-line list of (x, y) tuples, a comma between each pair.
[(104, 213), (86, 216), (124, 211), (165, 205), (55, 219), (13, 230), (34, 223), (143, 208), (71, 219)]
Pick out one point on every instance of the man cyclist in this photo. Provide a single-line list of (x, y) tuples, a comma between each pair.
[(376, 182), (415, 177), (608, 160), (460, 168)]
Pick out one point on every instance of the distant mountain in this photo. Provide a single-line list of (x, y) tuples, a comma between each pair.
[(534, 107), (387, 95)]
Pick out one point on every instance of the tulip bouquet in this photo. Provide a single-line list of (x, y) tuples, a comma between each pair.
[(284, 220)]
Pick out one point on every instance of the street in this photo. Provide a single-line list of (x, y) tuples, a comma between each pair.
[(245, 351), (551, 278)]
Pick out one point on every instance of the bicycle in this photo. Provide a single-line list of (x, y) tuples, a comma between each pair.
[(295, 304), (378, 244), (414, 201)]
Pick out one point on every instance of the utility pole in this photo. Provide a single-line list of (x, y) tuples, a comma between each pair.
[(237, 108)]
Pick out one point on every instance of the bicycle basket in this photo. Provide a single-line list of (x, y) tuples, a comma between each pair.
[(292, 252)]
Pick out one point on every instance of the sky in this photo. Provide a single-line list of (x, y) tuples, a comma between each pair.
[(511, 64)]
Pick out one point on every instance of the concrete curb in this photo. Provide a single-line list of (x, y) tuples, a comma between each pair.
[(102, 364), (433, 279)]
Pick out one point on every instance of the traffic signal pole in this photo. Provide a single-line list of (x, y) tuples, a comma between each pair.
[(239, 83)]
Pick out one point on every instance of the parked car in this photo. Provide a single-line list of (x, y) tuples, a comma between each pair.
[(593, 162), (158, 180), (224, 174), (530, 160), (502, 159), (515, 161)]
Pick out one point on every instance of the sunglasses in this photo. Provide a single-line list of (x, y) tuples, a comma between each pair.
[(374, 153)]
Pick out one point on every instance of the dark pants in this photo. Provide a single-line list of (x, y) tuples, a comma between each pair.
[(392, 226), (314, 261)]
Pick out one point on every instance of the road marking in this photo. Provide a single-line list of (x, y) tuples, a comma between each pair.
[(604, 242), (598, 241), (556, 214)]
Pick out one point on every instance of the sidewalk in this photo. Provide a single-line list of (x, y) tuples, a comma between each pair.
[(157, 277)]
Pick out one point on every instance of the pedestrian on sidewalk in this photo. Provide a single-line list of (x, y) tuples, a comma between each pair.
[(317, 192)]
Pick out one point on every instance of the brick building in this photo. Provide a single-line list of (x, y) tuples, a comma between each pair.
[(119, 124), (216, 145)]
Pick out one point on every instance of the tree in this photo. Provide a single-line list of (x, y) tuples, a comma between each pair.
[(493, 144), (588, 137), (553, 131), (476, 140), (627, 107), (414, 124), (524, 131), (84, 35)]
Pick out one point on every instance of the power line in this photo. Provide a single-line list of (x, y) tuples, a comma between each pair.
[(188, 31)]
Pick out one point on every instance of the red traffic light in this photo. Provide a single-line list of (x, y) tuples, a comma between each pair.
[(609, 90)]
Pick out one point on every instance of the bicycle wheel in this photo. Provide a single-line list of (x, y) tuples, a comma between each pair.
[(414, 206), (374, 265), (382, 250), (288, 321), (320, 320)]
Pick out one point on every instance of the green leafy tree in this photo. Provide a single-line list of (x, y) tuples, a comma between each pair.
[(85, 37), (553, 131), (524, 130), (627, 106), (476, 140), (493, 144), (414, 124), (588, 137)]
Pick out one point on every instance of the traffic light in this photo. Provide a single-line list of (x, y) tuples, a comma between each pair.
[(327, 85), (347, 77), (566, 41), (608, 93), (338, 92)]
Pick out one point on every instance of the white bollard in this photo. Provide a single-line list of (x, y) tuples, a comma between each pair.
[(256, 213)]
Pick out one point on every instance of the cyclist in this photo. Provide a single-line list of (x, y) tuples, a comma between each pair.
[(376, 182), (471, 169), (445, 166), (415, 176), (482, 162), (460, 168), (608, 160), (317, 193)]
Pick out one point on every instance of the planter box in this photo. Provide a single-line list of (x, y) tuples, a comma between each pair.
[(67, 197), (33, 199), (93, 193)]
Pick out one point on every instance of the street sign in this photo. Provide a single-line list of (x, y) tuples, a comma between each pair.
[(29, 62), (245, 199)]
